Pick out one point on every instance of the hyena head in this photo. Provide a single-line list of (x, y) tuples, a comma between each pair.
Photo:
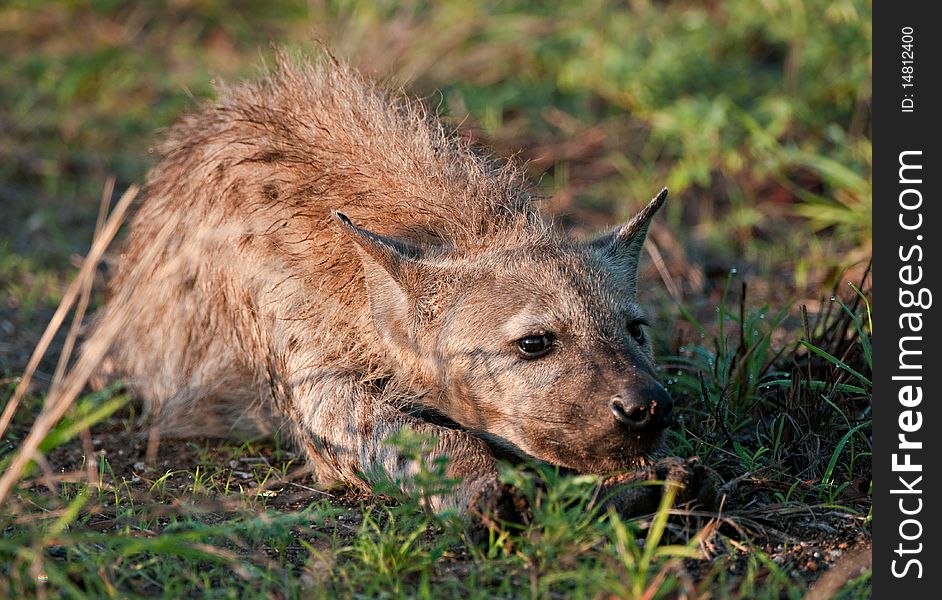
[(538, 347)]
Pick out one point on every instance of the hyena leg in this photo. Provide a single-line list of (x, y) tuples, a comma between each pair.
[(344, 426), (695, 484)]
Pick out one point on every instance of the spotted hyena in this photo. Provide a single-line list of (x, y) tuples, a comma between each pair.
[(317, 256)]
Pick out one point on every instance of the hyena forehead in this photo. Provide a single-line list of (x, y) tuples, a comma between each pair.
[(565, 288)]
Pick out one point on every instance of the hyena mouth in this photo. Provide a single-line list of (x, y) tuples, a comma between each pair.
[(434, 417)]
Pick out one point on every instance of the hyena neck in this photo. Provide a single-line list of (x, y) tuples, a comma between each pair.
[(430, 400)]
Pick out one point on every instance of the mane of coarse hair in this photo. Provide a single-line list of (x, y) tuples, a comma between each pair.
[(319, 130)]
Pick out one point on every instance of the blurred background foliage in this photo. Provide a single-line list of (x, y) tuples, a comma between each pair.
[(755, 113)]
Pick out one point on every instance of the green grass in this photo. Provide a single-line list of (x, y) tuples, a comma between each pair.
[(206, 528), (757, 115), (387, 551)]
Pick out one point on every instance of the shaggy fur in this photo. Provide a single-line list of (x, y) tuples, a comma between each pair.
[(318, 256)]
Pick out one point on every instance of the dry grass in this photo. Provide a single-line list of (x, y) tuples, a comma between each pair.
[(67, 384)]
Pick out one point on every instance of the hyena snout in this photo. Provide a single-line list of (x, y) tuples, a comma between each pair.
[(643, 408)]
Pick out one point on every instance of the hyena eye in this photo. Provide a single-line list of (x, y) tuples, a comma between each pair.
[(534, 346), (636, 330)]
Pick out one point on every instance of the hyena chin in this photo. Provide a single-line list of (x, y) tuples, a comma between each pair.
[(317, 256)]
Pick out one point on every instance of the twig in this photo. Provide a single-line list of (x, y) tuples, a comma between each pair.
[(153, 445), (288, 478), (57, 403), (838, 575), (86, 290), (658, 259), (91, 262)]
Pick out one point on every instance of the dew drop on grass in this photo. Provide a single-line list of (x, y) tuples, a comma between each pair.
[(733, 271), (833, 298), (682, 349)]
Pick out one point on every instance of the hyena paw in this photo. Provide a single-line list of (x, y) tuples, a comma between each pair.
[(496, 506), (631, 494)]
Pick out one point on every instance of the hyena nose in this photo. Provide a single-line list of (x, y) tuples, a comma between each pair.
[(645, 410)]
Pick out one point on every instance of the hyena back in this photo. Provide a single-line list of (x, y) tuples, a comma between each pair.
[(317, 256)]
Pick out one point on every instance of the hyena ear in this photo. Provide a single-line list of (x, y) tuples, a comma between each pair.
[(622, 246), (393, 278)]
